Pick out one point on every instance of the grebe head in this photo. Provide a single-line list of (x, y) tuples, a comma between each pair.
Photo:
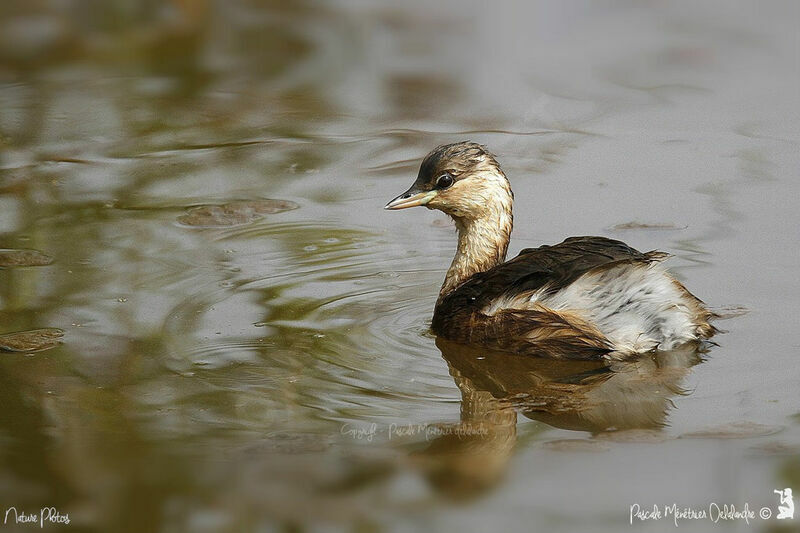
[(463, 180)]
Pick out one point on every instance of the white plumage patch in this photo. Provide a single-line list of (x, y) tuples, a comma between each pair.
[(636, 306)]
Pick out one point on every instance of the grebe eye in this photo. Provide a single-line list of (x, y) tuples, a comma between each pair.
[(444, 181)]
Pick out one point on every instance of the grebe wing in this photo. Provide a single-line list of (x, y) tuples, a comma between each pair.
[(550, 268), (486, 309)]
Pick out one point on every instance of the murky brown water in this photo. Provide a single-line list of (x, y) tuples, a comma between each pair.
[(191, 194)]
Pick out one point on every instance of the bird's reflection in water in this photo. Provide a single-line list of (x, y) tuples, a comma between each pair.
[(595, 396)]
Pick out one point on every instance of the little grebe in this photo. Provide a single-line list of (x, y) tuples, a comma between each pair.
[(587, 297)]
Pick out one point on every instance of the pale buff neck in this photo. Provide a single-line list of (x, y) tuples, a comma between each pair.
[(482, 244)]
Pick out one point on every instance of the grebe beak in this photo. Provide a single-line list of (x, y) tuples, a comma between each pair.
[(411, 198)]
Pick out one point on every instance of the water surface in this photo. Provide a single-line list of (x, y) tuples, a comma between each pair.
[(191, 194)]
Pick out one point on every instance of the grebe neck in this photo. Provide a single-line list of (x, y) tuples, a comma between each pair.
[(482, 244)]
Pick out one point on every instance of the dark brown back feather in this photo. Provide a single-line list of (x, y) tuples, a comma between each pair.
[(459, 315)]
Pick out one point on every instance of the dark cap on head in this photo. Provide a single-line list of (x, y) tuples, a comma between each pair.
[(454, 159)]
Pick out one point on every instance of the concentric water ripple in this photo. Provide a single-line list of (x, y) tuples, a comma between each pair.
[(326, 320)]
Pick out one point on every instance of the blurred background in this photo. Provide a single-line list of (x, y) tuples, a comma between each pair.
[(208, 322)]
